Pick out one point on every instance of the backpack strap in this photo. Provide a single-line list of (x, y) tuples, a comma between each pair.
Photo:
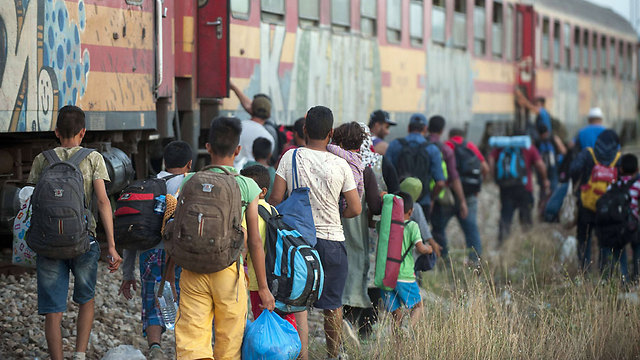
[(593, 156), (408, 250), (80, 155), (615, 160), (51, 157), (169, 177), (264, 213), (224, 170), (294, 170)]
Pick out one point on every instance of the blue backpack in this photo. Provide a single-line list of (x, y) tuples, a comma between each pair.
[(297, 208), (511, 169), (294, 271)]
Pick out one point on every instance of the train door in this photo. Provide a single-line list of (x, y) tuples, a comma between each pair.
[(213, 49), (525, 60)]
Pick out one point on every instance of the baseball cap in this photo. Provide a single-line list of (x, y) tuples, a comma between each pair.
[(380, 116), (418, 118), (261, 107), (595, 113)]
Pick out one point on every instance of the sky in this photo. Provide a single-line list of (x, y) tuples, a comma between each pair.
[(620, 6)]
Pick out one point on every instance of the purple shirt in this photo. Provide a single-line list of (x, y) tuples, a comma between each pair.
[(448, 156)]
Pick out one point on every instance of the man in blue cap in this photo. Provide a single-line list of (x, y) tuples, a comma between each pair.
[(413, 156)]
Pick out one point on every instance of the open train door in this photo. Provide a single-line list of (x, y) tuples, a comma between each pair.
[(525, 60), (213, 49)]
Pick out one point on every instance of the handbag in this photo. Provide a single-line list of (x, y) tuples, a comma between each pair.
[(296, 209), (568, 215)]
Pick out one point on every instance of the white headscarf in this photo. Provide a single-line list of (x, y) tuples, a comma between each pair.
[(369, 157)]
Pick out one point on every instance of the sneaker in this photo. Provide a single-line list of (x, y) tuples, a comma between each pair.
[(156, 353), (349, 333)]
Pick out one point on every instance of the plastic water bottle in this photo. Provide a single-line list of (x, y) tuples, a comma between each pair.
[(167, 304), (161, 204)]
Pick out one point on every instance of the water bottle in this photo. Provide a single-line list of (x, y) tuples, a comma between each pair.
[(167, 304), (160, 205)]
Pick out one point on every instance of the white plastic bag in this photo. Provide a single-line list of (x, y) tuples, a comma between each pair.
[(569, 211), (22, 254)]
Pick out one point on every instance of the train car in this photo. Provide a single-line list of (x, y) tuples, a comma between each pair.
[(144, 71), (458, 58)]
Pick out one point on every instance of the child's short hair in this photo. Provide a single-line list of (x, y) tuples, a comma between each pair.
[(259, 174), (319, 122), (298, 127), (261, 148), (224, 135), (408, 201), (177, 154), (70, 121), (349, 136), (629, 164)]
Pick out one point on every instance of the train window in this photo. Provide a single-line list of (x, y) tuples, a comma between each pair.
[(341, 14), (556, 43), (309, 12), (394, 21), (567, 46), (438, 21), (240, 9), (603, 55), (585, 51), (479, 28), (272, 10), (508, 33), (368, 14), (416, 22), (577, 51), (496, 30), (612, 56), (545, 41), (460, 24), (594, 53)]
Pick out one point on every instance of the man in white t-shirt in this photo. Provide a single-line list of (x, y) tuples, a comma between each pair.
[(327, 176), (253, 129)]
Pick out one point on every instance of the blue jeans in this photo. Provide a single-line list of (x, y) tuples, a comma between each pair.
[(586, 224), (512, 199), (608, 259), (440, 218)]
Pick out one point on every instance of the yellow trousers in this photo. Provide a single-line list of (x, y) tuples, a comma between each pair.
[(202, 297)]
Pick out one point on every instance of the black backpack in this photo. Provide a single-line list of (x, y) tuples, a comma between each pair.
[(469, 167), (137, 226), (615, 222), (414, 161), (60, 213), (511, 169), (294, 271)]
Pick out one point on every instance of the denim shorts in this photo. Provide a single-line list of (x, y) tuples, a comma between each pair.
[(53, 279), (333, 256), (405, 293)]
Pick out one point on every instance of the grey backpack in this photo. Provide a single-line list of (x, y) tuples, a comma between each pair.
[(60, 216), (206, 233)]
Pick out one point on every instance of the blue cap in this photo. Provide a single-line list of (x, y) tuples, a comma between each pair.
[(418, 118)]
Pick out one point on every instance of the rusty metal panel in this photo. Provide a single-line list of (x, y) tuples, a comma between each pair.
[(185, 30), (213, 49)]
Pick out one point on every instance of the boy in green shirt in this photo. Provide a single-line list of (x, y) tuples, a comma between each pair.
[(407, 291)]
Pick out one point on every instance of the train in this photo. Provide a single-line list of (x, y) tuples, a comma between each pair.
[(149, 71)]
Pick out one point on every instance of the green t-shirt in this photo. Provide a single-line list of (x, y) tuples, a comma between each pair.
[(272, 175), (249, 190), (411, 237)]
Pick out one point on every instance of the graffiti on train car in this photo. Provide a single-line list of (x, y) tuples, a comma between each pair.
[(339, 71), (42, 64)]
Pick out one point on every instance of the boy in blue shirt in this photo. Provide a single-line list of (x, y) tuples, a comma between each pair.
[(407, 292)]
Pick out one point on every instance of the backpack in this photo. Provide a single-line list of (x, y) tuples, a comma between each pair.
[(137, 225), (389, 254), (615, 221), (414, 161), (511, 169), (60, 213), (294, 271), (601, 177), (206, 234), (469, 167)]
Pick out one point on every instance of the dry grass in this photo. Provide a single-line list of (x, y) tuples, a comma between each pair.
[(524, 304)]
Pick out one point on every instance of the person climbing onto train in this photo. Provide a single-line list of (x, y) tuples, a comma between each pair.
[(379, 124), (328, 177), (52, 274), (444, 210), (588, 135), (414, 156), (256, 127), (512, 167), (594, 169)]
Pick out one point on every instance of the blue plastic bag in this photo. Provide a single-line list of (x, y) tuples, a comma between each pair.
[(270, 337), (296, 209)]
